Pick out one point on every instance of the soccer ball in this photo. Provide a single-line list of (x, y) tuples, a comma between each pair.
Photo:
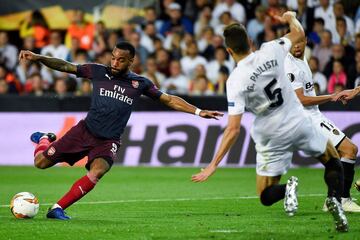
[(24, 205)]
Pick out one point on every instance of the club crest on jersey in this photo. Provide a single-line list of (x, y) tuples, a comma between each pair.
[(291, 77), (135, 83), (51, 151)]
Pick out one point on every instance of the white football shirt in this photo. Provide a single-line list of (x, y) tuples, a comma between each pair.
[(259, 84), (300, 76)]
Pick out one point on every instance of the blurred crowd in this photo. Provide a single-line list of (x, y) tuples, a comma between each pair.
[(180, 45)]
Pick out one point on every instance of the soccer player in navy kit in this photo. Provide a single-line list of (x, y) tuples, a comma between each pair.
[(115, 89)]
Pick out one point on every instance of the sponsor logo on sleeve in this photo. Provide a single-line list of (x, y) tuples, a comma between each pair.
[(231, 104)]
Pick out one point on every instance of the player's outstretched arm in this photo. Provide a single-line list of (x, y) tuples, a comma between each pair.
[(180, 104), (296, 33), (347, 94), (312, 100), (53, 63), (230, 135)]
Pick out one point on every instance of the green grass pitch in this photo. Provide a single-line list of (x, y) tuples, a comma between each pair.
[(162, 203)]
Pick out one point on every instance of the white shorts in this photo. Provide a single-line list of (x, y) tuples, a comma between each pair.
[(328, 128), (274, 154)]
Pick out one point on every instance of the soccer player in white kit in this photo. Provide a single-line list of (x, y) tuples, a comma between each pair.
[(281, 125), (299, 74)]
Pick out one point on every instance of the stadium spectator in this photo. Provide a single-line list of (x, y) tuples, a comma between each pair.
[(3, 86), (112, 39), (81, 30), (256, 25), (338, 54), (35, 26), (236, 9), (177, 22), (357, 42), (163, 61), (75, 46), (225, 19), (213, 68), (137, 66), (148, 36), (61, 88), (105, 57), (326, 12), (342, 35), (101, 35), (305, 14), (354, 72), (8, 52), (126, 31), (203, 21), (220, 86), (340, 13), (177, 82), (151, 17), (204, 43), (338, 78), (322, 51), (152, 73), (29, 44), (201, 86), (268, 33), (314, 35), (317, 76), (14, 85), (56, 49), (35, 85), (142, 52), (85, 88), (173, 45), (191, 60)]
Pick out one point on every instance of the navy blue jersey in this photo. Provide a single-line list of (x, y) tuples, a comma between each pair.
[(112, 98)]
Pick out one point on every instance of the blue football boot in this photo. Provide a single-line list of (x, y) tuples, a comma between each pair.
[(57, 213), (35, 137)]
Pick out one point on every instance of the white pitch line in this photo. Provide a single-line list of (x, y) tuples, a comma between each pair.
[(224, 231), (174, 200)]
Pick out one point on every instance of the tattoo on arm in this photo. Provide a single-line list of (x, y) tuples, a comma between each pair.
[(58, 64)]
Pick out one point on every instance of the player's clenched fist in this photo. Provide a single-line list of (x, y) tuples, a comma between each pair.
[(28, 55)]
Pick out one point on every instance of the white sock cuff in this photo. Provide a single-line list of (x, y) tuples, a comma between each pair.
[(347, 160), (56, 206)]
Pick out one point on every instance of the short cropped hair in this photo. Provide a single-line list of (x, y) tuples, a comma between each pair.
[(127, 47), (236, 38)]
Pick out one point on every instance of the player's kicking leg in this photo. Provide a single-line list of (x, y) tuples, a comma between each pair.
[(270, 192), (80, 188), (334, 178)]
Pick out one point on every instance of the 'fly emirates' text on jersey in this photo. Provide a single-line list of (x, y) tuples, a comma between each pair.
[(259, 84), (112, 98), (300, 76)]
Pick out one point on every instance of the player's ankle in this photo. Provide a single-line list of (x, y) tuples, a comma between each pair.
[(56, 206)]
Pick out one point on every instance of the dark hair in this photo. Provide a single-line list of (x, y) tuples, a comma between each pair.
[(341, 19), (236, 38), (126, 46), (319, 20)]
